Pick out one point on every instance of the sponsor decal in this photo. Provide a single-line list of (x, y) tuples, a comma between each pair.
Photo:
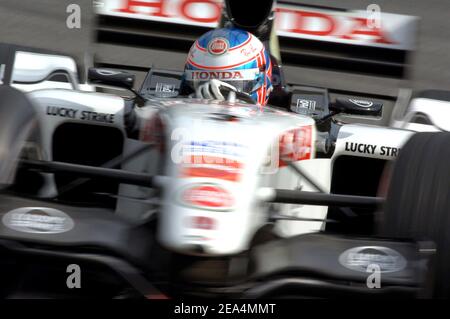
[(332, 26), (80, 115), (38, 220), (248, 74), (360, 258), (203, 223), (212, 159), (207, 196), (296, 145), (213, 147), (361, 103), (218, 46), (370, 149), (107, 72), (211, 167), (97, 117), (62, 112), (202, 12), (224, 75), (350, 27)]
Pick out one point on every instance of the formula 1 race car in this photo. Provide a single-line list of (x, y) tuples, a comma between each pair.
[(168, 196), (209, 198)]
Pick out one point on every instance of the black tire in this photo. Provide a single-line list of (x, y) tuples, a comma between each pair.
[(418, 200), (17, 122)]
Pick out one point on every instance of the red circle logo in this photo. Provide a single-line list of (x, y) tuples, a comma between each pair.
[(201, 222), (218, 46), (208, 196)]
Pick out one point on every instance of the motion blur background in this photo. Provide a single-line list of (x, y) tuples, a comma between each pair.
[(42, 23)]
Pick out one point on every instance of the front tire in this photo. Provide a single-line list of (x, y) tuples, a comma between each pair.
[(418, 200), (17, 122)]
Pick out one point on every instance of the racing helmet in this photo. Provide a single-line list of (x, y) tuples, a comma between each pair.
[(234, 56)]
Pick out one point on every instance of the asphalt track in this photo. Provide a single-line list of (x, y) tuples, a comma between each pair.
[(42, 23)]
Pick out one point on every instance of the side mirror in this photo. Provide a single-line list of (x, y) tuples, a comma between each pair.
[(356, 106), (111, 78), (31, 67)]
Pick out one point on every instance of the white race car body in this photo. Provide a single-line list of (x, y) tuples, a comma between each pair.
[(217, 158), (429, 111), (370, 141)]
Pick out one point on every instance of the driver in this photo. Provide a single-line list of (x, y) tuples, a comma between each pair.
[(228, 59)]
